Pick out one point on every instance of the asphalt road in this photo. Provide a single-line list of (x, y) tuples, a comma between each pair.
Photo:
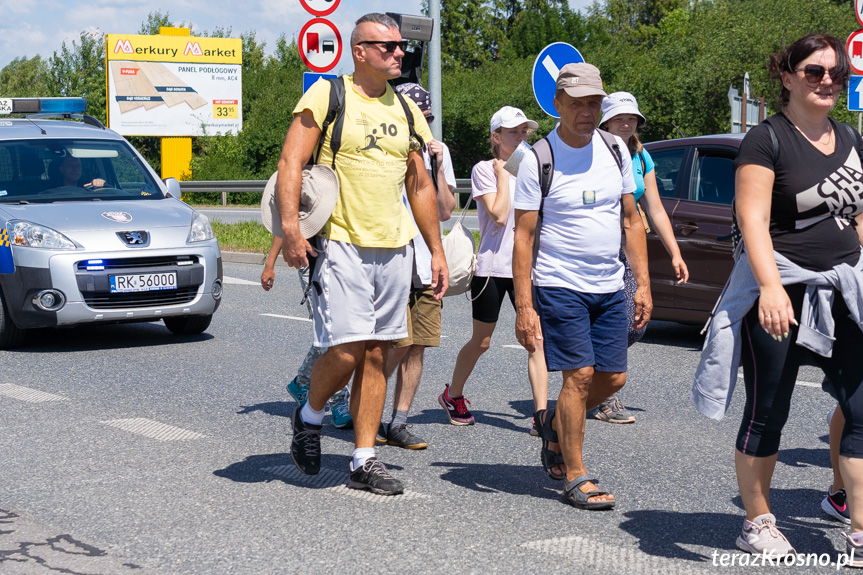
[(127, 450)]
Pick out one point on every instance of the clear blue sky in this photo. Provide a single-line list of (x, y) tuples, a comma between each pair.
[(30, 27)]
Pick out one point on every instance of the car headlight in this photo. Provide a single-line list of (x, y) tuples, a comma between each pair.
[(23, 233), (201, 229)]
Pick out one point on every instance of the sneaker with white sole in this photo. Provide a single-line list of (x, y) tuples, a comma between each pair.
[(613, 411), (854, 551), (456, 408), (836, 506), (373, 476), (761, 536)]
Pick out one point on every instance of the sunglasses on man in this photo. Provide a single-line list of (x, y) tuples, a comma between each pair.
[(389, 45), (815, 73)]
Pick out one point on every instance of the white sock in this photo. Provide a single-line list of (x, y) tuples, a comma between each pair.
[(361, 455), (309, 415)]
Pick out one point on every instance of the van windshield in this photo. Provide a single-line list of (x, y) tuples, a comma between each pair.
[(47, 170)]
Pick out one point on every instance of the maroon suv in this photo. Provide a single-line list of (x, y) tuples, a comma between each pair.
[(695, 177)]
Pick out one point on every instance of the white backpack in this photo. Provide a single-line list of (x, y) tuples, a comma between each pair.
[(460, 251)]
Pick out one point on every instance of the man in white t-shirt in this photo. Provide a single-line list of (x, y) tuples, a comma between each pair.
[(424, 310), (577, 278)]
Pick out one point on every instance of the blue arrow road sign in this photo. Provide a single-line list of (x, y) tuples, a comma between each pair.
[(545, 70), (855, 100), (310, 78)]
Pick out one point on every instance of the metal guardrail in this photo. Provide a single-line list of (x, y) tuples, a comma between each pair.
[(225, 187)]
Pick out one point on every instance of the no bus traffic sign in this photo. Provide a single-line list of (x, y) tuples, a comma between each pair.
[(320, 45)]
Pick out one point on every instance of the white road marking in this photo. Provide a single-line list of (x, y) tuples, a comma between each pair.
[(154, 429), (512, 346), (26, 394), (286, 316), (238, 281), (798, 382)]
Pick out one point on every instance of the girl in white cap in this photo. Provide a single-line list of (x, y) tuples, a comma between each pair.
[(493, 188), (621, 117)]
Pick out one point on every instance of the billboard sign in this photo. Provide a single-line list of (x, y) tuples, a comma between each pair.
[(174, 85)]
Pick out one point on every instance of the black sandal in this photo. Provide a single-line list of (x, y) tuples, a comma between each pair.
[(580, 499), (548, 435)]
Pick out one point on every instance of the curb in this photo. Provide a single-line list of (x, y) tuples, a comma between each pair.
[(246, 258)]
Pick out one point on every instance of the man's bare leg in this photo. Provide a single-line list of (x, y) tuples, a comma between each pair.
[(369, 392), (408, 378), (581, 388), (332, 372)]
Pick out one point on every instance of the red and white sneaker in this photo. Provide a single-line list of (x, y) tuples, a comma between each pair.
[(456, 409)]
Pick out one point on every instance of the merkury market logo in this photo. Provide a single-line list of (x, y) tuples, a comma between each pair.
[(192, 49)]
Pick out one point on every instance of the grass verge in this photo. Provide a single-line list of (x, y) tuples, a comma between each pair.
[(243, 237), (253, 237)]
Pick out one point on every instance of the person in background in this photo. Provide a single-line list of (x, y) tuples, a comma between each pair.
[(424, 310), (298, 387), (621, 117), (493, 189)]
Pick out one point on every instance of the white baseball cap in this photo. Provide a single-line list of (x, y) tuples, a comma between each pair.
[(509, 117), (618, 103)]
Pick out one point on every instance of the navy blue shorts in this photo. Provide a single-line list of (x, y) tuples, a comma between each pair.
[(582, 329)]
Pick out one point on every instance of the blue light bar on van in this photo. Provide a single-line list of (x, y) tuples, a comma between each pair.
[(42, 106)]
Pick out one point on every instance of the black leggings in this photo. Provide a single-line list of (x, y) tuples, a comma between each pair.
[(770, 370)]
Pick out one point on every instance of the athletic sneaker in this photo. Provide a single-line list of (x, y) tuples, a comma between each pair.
[(854, 551), (298, 391), (762, 536), (381, 436), (401, 436), (373, 475), (612, 411), (340, 417), (836, 507), (305, 444), (456, 409)]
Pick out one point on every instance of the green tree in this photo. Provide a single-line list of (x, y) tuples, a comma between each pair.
[(79, 71), (23, 77)]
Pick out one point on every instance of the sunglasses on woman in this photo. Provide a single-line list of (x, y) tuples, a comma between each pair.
[(389, 45), (815, 73)]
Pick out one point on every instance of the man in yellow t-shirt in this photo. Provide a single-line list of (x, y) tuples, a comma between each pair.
[(364, 258)]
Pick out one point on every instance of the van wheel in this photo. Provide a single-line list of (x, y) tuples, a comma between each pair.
[(11, 336), (188, 324)]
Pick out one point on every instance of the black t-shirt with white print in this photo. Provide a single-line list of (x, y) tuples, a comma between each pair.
[(815, 195)]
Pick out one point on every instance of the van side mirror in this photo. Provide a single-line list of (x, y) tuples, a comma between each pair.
[(173, 186)]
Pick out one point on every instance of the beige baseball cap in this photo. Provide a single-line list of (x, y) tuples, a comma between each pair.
[(580, 80)]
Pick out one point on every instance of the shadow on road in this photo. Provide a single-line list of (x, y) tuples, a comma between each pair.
[(498, 478), (802, 457), (674, 334), (100, 337), (661, 532)]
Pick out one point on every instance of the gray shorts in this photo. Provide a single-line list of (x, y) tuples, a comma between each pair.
[(360, 294)]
